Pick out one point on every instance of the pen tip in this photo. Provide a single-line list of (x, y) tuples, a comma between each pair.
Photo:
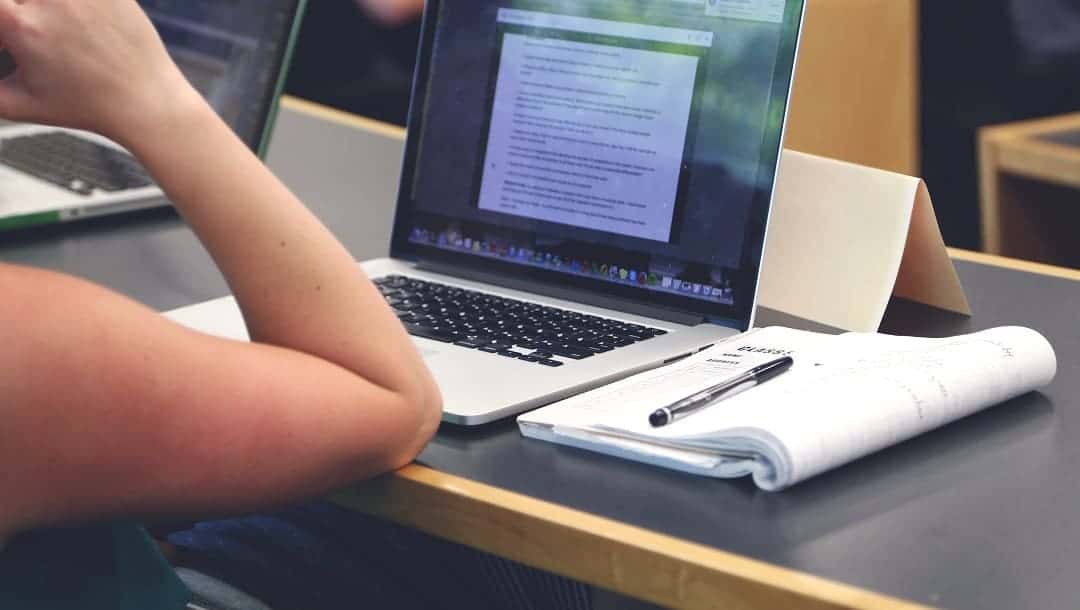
[(658, 418)]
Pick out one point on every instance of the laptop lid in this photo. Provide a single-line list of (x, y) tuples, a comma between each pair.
[(618, 147), (235, 53)]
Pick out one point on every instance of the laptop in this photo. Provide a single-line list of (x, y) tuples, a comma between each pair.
[(235, 53), (585, 191)]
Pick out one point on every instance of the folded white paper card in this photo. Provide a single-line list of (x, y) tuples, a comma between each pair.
[(844, 238), (846, 396)]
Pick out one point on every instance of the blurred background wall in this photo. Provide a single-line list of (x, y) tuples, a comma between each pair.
[(986, 63)]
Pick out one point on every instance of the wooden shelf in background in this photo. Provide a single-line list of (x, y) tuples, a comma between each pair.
[(1029, 175)]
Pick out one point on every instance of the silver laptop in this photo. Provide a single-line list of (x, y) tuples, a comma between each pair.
[(585, 191), (235, 53)]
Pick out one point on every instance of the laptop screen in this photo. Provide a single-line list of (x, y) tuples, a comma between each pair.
[(619, 146), (232, 52)]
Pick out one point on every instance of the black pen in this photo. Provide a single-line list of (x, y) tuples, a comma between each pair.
[(690, 404)]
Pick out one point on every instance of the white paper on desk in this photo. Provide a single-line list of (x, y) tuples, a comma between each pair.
[(847, 396)]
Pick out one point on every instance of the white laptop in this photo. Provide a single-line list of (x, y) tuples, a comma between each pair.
[(585, 191), (235, 53)]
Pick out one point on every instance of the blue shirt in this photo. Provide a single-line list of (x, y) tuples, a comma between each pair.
[(115, 567)]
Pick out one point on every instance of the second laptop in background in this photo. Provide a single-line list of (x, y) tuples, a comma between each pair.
[(236, 55)]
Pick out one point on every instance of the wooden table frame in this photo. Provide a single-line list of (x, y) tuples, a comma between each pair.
[(1028, 206)]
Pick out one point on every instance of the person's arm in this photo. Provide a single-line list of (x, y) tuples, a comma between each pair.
[(392, 12), (108, 409)]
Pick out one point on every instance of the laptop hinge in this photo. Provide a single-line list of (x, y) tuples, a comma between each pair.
[(567, 294)]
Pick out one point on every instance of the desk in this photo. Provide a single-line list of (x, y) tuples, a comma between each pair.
[(981, 514), (1029, 174)]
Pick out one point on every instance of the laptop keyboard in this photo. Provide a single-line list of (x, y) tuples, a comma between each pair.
[(497, 325), (76, 164)]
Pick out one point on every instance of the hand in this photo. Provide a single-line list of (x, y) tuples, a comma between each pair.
[(392, 12), (88, 64)]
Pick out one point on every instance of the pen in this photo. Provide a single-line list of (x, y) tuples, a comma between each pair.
[(690, 404)]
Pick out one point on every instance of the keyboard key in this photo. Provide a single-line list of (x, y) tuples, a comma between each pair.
[(551, 363)]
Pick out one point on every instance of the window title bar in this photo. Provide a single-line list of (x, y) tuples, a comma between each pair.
[(623, 29)]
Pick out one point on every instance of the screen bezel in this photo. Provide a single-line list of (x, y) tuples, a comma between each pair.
[(272, 95), (739, 315)]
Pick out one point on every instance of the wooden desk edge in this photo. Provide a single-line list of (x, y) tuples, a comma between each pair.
[(1014, 264), (1032, 127), (606, 553), (1037, 159), (341, 117)]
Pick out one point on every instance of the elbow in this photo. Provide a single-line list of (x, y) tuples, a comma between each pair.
[(422, 409), (428, 407)]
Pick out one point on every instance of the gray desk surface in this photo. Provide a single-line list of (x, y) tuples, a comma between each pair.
[(980, 514)]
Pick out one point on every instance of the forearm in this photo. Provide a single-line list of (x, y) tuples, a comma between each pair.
[(153, 419), (296, 284), (392, 12)]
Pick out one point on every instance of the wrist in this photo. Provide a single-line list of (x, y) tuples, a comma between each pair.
[(161, 118)]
